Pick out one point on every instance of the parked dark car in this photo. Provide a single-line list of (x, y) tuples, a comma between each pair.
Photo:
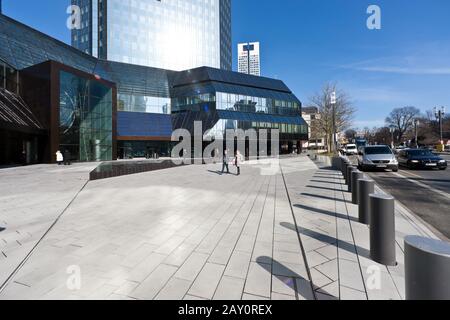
[(421, 159)]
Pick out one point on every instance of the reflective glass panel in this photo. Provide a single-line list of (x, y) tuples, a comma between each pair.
[(85, 118)]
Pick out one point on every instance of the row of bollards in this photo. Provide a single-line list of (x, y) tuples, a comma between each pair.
[(375, 210), (427, 261)]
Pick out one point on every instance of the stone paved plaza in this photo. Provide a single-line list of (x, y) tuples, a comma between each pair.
[(190, 233)]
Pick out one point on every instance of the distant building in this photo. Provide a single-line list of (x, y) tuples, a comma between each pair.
[(249, 59), (309, 114)]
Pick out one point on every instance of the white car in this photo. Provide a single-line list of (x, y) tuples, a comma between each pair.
[(351, 149)]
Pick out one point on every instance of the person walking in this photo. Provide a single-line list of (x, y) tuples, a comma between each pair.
[(59, 157), (225, 162), (237, 162), (23, 158), (67, 157)]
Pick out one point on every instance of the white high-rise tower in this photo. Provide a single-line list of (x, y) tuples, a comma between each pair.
[(249, 60)]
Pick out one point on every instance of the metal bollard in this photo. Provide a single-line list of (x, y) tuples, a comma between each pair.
[(350, 169), (365, 187), (356, 175), (344, 169), (382, 229), (427, 269)]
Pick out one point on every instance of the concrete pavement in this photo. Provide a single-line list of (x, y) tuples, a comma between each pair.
[(191, 233), (31, 199)]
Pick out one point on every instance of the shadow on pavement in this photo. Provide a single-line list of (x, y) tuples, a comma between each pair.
[(304, 291), (321, 188), (323, 176), (323, 197), (327, 169), (326, 212), (350, 247), (330, 182)]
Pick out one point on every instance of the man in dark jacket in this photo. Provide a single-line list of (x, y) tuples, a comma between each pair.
[(225, 162), (67, 158)]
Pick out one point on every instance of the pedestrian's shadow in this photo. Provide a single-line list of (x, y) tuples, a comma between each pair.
[(350, 247), (303, 288), (217, 172)]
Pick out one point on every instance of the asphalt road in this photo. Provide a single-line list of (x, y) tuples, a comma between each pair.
[(425, 192), (446, 157)]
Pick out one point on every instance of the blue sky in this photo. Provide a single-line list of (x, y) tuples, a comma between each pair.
[(307, 43)]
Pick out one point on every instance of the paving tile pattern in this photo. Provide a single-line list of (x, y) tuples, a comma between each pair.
[(190, 233)]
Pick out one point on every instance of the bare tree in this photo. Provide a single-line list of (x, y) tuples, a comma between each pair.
[(343, 112), (382, 136), (429, 132), (351, 134), (402, 119)]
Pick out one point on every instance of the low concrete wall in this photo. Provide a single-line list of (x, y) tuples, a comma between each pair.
[(334, 162)]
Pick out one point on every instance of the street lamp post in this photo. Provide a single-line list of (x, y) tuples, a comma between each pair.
[(440, 113), (333, 101), (416, 125)]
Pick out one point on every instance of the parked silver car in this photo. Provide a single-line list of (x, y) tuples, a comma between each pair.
[(377, 157)]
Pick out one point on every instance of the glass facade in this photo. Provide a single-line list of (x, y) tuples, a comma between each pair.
[(144, 149), (170, 34), (226, 51), (82, 37), (9, 78), (85, 118), (224, 100), (143, 104), (217, 132), (236, 102)]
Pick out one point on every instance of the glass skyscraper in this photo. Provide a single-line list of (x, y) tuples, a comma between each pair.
[(168, 34)]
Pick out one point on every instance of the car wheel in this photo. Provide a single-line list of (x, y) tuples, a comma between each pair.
[(395, 170), (442, 169)]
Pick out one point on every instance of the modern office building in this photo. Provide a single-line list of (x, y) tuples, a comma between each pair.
[(249, 58), (168, 34), (55, 97)]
